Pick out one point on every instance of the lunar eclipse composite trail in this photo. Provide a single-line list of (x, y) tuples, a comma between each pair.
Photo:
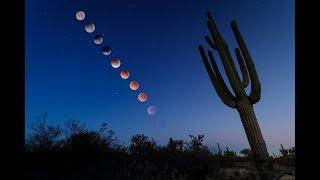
[(116, 62), (68, 76)]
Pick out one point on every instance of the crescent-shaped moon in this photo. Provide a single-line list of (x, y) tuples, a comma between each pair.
[(98, 39), (106, 50)]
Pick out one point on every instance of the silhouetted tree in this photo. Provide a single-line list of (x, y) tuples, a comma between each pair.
[(73, 127), (140, 144), (81, 140), (196, 144), (175, 145), (44, 137)]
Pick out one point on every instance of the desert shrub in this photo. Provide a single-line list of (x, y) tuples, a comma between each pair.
[(44, 137), (228, 157), (286, 157), (246, 155), (142, 159), (199, 159), (175, 145), (229, 154), (142, 145), (246, 152), (72, 127)]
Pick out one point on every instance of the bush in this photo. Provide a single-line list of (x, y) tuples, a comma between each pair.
[(142, 159), (286, 157), (45, 138)]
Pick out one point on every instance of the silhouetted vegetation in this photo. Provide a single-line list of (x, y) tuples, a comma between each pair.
[(75, 152), (286, 158)]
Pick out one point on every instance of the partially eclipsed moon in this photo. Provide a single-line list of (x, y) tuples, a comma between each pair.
[(97, 39), (80, 15), (106, 50), (124, 74), (152, 110), (90, 27), (134, 85), (142, 97), (115, 63)]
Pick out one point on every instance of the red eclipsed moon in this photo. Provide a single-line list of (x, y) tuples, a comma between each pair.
[(134, 85), (115, 63), (142, 97), (124, 74)]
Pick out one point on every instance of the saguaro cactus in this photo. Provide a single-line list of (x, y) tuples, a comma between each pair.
[(240, 100)]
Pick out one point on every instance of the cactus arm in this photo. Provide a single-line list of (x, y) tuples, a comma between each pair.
[(243, 68), (222, 93), (210, 18), (227, 52), (234, 69), (218, 74), (227, 62), (209, 41), (255, 83)]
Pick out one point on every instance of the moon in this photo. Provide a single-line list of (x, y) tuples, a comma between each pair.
[(152, 110), (106, 50), (115, 63), (90, 27), (80, 15), (142, 97), (98, 39), (124, 74), (134, 85)]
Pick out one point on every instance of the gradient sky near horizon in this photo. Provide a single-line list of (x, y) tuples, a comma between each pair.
[(68, 78)]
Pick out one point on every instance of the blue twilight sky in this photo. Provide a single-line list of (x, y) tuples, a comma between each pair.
[(67, 76)]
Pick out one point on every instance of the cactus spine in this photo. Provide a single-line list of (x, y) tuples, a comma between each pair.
[(241, 101)]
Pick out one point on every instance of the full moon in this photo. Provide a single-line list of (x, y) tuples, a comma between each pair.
[(106, 50), (124, 74), (90, 27), (80, 15), (152, 110), (97, 39), (142, 97), (134, 85), (115, 63)]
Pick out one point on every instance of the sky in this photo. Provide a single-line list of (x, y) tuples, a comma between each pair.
[(68, 77)]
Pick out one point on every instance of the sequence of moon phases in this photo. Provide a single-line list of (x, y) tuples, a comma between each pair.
[(124, 74), (134, 85), (106, 50), (142, 97), (115, 63), (90, 27), (152, 110), (97, 39), (80, 15)]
